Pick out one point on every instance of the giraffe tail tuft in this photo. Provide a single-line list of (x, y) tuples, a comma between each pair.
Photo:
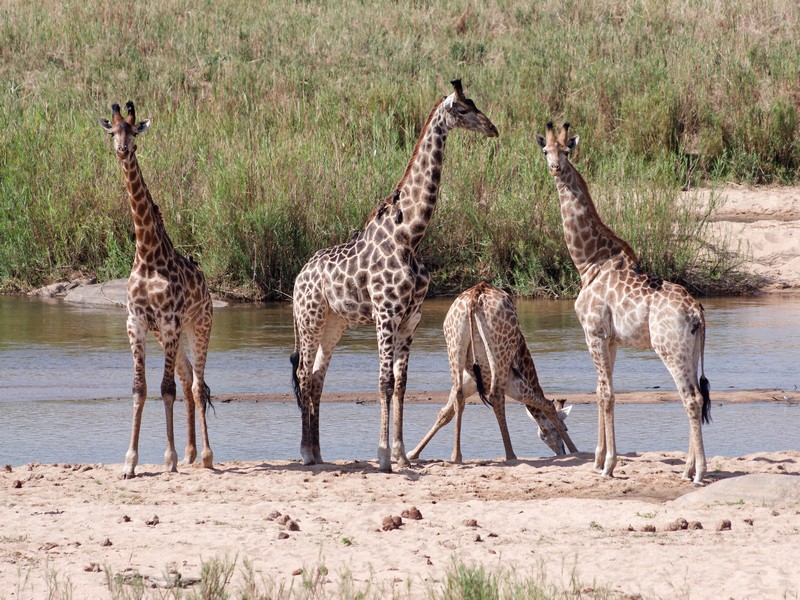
[(295, 360), (476, 371), (704, 391), (207, 400)]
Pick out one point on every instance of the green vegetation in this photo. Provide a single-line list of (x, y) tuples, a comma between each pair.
[(277, 127)]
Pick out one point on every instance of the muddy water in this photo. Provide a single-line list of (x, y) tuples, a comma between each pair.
[(65, 376)]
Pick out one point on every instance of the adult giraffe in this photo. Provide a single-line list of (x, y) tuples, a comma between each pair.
[(482, 330), (377, 278), (168, 295), (620, 305)]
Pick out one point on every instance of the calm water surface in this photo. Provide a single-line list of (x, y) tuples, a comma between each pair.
[(66, 372)]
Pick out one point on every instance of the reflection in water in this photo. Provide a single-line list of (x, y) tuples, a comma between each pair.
[(66, 372)]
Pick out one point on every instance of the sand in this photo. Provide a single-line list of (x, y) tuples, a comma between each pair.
[(551, 514), (763, 225)]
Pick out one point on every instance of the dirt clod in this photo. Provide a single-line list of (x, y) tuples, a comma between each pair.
[(391, 522), (411, 513), (724, 525)]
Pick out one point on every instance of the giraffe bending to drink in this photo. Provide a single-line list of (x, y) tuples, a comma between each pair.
[(168, 295), (620, 305), (482, 327), (377, 278)]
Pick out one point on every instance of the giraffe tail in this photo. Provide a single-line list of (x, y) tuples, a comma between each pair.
[(207, 400), (295, 360), (704, 385), (476, 369)]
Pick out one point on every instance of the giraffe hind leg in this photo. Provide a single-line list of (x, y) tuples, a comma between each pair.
[(184, 369)]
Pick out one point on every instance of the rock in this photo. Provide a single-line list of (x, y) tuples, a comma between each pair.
[(297, 572), (724, 525), (471, 523), (411, 513), (273, 515), (391, 522), (695, 525), (282, 535), (17, 484), (283, 519), (478, 538), (152, 521), (92, 568), (106, 543), (749, 522), (7, 468), (678, 525), (125, 519), (649, 528), (292, 525)]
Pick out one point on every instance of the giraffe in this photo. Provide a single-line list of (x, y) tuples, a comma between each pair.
[(620, 305), (168, 295), (376, 277), (482, 325)]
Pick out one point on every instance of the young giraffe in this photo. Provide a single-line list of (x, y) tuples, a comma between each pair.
[(167, 294), (619, 304), (482, 327), (377, 278)]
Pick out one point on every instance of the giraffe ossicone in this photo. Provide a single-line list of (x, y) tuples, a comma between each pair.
[(482, 330), (168, 295), (376, 278), (621, 305)]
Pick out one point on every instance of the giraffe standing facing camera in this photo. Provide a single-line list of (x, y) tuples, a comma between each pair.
[(168, 295), (620, 305)]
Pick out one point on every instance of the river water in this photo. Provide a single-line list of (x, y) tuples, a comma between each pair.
[(66, 372)]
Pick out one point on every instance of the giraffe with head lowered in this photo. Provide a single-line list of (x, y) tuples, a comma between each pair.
[(620, 305), (482, 329), (376, 278), (168, 295)]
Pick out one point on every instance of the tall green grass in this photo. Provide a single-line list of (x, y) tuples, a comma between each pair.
[(277, 127)]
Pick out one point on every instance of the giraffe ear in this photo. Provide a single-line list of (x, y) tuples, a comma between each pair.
[(448, 102), (573, 141), (142, 126), (105, 124), (541, 141)]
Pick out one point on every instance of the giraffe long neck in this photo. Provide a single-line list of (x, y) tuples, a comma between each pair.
[(406, 214), (590, 241), (526, 368), (147, 222)]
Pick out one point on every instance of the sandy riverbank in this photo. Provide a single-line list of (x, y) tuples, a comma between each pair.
[(555, 514)]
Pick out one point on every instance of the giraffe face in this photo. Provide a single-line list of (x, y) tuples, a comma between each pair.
[(548, 433), (123, 131), (556, 149), (462, 112)]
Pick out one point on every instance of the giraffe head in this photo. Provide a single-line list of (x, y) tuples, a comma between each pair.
[(123, 131), (556, 148), (547, 431), (462, 112)]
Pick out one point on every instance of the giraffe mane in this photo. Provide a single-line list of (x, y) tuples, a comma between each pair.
[(392, 198)]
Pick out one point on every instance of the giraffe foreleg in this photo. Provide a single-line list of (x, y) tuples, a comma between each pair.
[(604, 354), (403, 340), (137, 332), (171, 340)]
